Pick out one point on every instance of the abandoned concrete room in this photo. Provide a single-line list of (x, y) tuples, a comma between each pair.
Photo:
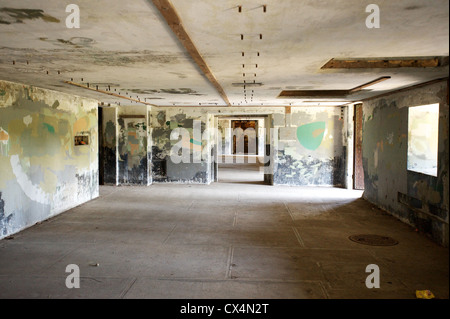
[(180, 149)]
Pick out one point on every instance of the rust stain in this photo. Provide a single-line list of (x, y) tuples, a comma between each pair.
[(380, 145), (4, 136)]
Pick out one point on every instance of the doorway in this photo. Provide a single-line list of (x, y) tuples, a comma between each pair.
[(246, 136), (241, 143), (101, 162)]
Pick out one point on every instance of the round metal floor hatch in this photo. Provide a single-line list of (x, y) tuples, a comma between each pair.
[(373, 240)]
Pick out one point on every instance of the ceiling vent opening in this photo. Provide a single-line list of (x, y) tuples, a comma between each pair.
[(329, 93), (385, 63)]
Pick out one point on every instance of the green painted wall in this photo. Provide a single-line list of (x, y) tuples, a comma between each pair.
[(311, 147)]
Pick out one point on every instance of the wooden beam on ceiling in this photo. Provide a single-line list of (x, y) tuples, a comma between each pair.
[(169, 13), (384, 63)]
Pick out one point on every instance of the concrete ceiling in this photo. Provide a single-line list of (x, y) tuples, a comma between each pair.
[(127, 47)]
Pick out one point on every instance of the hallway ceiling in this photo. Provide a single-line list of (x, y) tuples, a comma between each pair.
[(128, 48)]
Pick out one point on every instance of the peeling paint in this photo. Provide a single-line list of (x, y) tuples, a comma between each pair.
[(4, 220), (34, 192), (14, 15), (27, 120), (163, 169), (386, 175), (38, 172), (312, 156), (133, 157), (109, 146), (4, 136), (4, 142)]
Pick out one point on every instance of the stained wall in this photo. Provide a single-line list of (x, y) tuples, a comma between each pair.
[(418, 199), (42, 171), (304, 147), (311, 147), (133, 145), (109, 147), (178, 132)]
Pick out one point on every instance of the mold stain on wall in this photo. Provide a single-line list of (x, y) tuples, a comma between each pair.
[(109, 150), (164, 121), (40, 167), (133, 164), (4, 220), (311, 149), (17, 15), (417, 199), (4, 142)]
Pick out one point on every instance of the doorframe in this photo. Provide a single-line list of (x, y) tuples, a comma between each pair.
[(266, 140), (358, 168)]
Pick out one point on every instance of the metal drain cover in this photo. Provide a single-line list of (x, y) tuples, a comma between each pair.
[(373, 240)]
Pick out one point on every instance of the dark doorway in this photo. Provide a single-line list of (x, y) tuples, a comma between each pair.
[(244, 125), (101, 163)]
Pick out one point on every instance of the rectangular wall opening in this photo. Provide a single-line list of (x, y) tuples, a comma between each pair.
[(241, 142), (423, 133), (245, 141)]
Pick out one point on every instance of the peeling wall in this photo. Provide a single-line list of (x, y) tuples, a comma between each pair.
[(308, 145), (198, 169), (42, 172), (133, 145), (417, 199), (224, 128), (311, 147), (110, 146), (304, 147)]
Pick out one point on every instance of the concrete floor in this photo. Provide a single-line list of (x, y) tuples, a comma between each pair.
[(234, 239)]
